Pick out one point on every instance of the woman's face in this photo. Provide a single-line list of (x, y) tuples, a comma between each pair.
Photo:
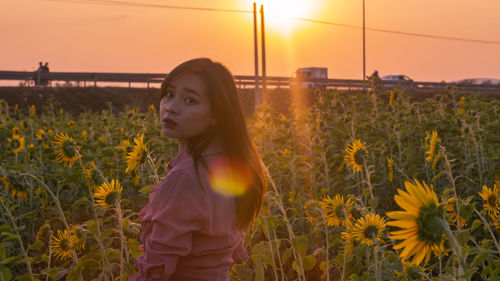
[(185, 108)]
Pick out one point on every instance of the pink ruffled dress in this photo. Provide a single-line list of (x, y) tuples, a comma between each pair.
[(188, 233)]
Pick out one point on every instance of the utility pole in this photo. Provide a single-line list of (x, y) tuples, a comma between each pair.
[(263, 36), (364, 62), (256, 56)]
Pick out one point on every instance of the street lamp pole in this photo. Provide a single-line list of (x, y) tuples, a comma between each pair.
[(256, 56), (364, 61), (263, 36)]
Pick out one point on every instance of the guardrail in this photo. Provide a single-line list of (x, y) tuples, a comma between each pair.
[(242, 81)]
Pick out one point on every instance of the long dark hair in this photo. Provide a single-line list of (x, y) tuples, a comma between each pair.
[(230, 128)]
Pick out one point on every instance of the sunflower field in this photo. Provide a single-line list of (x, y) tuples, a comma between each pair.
[(368, 186)]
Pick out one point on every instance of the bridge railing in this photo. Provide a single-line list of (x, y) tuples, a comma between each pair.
[(242, 81)]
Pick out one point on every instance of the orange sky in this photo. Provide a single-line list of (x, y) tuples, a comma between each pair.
[(75, 36)]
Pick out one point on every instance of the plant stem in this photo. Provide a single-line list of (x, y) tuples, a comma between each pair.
[(14, 225), (54, 197), (120, 222), (456, 248), (495, 241), (327, 263)]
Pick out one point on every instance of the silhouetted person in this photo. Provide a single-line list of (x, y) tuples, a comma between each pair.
[(40, 74), (375, 81)]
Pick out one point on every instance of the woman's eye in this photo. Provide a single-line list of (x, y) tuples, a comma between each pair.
[(189, 100), (169, 94)]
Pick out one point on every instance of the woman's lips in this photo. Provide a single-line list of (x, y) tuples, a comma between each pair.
[(169, 123)]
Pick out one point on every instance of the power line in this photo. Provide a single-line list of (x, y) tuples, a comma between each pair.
[(137, 4), (403, 32)]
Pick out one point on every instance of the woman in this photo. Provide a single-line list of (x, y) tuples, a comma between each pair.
[(192, 226)]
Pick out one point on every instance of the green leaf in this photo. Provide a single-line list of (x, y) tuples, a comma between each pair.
[(286, 255), (309, 262), (36, 246), (133, 246), (146, 190), (259, 273), (261, 253), (10, 260), (475, 224), (5, 228), (92, 226), (2, 252), (373, 202), (300, 245), (5, 273)]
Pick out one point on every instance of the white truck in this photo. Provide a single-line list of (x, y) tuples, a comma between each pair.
[(305, 77)]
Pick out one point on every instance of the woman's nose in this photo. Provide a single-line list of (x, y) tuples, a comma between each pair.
[(171, 107)]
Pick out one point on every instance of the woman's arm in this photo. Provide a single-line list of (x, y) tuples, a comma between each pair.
[(178, 209)]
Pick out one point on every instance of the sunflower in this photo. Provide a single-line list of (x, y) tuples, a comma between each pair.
[(390, 166), (92, 175), (125, 148), (40, 134), (421, 222), (67, 149), (348, 238), (32, 110), (135, 177), (492, 206), (62, 244), (107, 194), (71, 123), (431, 143), (336, 210), (461, 104), (436, 160), (354, 155), (6, 183), (79, 237), (138, 154), (16, 131), (152, 108), (16, 143), (451, 208), (410, 272), (85, 135), (16, 190), (368, 229), (43, 232), (391, 98), (312, 210)]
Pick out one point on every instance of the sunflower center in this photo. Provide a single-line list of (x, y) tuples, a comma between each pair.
[(358, 156), (340, 212), (429, 221), (68, 149), (492, 200), (65, 245), (370, 232), (112, 197), (94, 174), (15, 143)]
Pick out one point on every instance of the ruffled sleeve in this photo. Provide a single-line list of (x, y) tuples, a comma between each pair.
[(178, 209), (239, 253)]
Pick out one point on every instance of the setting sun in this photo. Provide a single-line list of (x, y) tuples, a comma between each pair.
[(281, 14)]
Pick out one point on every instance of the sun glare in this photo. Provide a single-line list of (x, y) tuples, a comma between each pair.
[(230, 177), (280, 14)]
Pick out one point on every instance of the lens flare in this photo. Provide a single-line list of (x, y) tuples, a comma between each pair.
[(230, 177)]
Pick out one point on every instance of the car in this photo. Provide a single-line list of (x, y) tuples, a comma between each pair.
[(393, 80)]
